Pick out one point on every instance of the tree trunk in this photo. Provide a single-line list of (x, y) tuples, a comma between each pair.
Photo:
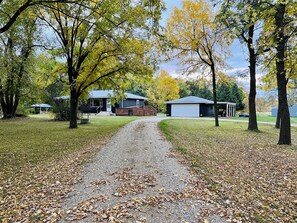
[(285, 125), (278, 119), (9, 102), (214, 86), (9, 109), (252, 126), (73, 108)]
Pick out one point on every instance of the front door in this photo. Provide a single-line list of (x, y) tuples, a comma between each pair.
[(108, 105)]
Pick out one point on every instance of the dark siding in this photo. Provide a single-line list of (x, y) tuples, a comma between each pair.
[(210, 111), (203, 110), (206, 110), (126, 103), (168, 109), (113, 107), (104, 105)]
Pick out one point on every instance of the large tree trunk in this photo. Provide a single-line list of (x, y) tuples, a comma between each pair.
[(253, 126), (9, 100), (72, 76), (214, 86), (285, 125), (9, 108), (73, 108)]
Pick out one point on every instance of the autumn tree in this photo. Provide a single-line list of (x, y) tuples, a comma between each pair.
[(11, 10), (199, 41), (162, 88), (269, 81), (244, 18), (17, 25), (15, 61), (279, 30), (102, 42)]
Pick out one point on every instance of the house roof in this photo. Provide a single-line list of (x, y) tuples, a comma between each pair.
[(109, 94), (190, 100), (41, 106), (225, 103), (63, 97)]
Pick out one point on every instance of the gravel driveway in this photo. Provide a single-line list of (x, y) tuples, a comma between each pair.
[(136, 178)]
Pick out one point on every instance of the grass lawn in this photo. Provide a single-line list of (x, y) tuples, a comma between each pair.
[(255, 179), (264, 117), (40, 159), (33, 140)]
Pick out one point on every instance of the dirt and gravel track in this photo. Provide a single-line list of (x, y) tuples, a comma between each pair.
[(136, 178)]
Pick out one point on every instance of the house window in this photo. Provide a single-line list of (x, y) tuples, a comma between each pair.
[(137, 103), (97, 102)]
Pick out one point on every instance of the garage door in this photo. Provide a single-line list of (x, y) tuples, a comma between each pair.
[(185, 110)]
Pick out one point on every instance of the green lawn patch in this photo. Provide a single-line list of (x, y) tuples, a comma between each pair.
[(29, 140), (40, 160), (264, 117), (253, 177)]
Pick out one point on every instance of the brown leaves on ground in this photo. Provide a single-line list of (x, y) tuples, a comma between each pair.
[(255, 179), (33, 194), (133, 204), (130, 210), (132, 183)]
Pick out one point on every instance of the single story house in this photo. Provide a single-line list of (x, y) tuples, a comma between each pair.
[(292, 110), (193, 106), (41, 108), (100, 100)]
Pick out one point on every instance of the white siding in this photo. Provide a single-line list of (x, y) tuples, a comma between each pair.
[(185, 110)]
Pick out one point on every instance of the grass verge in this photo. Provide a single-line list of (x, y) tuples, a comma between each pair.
[(254, 178), (264, 117), (40, 160)]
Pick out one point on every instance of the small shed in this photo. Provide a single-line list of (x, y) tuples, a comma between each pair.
[(41, 108), (292, 110)]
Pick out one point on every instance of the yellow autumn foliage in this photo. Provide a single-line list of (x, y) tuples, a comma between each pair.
[(163, 88)]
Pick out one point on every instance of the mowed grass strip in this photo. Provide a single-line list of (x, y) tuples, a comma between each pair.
[(40, 160), (30, 141), (255, 178), (264, 117)]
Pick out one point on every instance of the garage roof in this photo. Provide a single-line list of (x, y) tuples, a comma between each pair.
[(190, 100)]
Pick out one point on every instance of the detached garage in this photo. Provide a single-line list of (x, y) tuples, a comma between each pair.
[(189, 107), (197, 107), (180, 110)]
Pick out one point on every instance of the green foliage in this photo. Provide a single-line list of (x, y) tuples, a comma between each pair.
[(230, 92), (61, 109), (16, 62), (200, 88), (183, 89), (104, 43)]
